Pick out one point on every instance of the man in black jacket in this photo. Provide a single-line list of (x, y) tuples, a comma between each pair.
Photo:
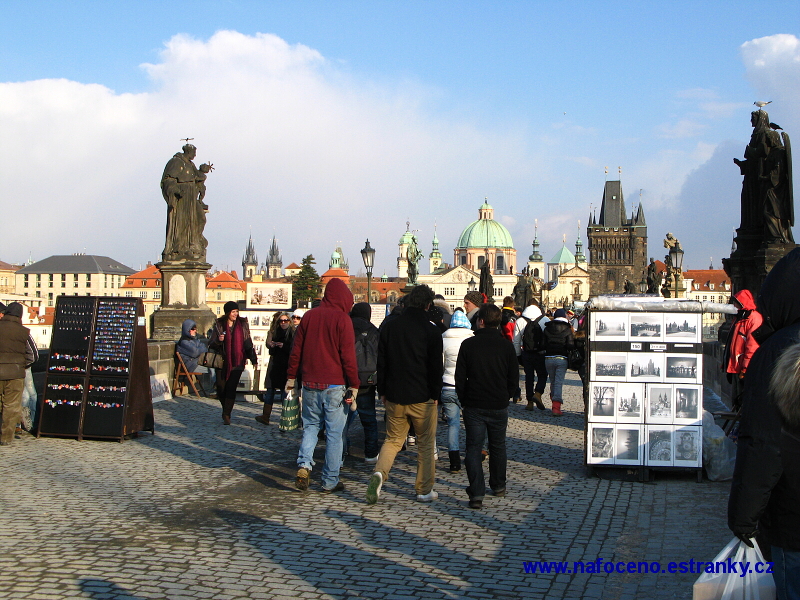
[(409, 384), (755, 503), (487, 375)]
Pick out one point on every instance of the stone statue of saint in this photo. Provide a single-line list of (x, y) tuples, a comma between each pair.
[(767, 197), (414, 256), (183, 188), (486, 285), (653, 277)]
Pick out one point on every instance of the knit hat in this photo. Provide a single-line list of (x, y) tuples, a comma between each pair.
[(14, 309), (2, 308), (475, 297), (560, 313), (361, 310), (299, 312), (230, 306), (459, 319)]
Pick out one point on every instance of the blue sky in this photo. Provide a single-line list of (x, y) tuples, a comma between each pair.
[(347, 118)]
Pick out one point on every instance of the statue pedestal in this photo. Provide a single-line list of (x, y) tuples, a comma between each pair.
[(748, 267), (183, 296)]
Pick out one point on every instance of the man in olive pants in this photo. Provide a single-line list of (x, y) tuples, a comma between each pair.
[(409, 382), (17, 351)]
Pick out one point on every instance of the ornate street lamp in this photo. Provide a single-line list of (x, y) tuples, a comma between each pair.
[(676, 258), (368, 255), (643, 285), (472, 286)]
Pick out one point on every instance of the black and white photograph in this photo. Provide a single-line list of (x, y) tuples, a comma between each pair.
[(688, 405), (630, 402), (601, 401), (645, 366), (688, 450), (684, 368), (610, 326), (647, 327), (607, 366), (659, 446), (601, 444), (629, 445), (682, 327), (660, 404)]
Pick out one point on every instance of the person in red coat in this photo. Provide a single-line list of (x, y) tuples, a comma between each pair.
[(741, 344)]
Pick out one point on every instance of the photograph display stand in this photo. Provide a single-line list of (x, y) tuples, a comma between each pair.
[(97, 383), (645, 386)]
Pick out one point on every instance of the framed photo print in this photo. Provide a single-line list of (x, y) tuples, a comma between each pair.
[(645, 366), (610, 326), (646, 327), (682, 327), (600, 449), (629, 402), (608, 366), (268, 295), (688, 404), (660, 404), (628, 445), (684, 368), (659, 445), (601, 401), (688, 449)]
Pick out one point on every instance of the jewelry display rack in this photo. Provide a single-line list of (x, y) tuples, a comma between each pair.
[(97, 383)]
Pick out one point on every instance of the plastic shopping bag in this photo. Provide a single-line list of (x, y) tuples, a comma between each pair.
[(729, 585), (290, 413)]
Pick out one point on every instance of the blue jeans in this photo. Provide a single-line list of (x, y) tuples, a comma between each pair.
[(786, 573), (365, 401), (557, 371), (479, 423), (324, 406), (452, 412)]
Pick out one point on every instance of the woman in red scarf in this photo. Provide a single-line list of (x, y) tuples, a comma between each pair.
[(231, 335)]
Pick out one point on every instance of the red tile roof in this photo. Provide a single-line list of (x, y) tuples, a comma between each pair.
[(225, 280), (293, 266), (150, 275), (705, 277)]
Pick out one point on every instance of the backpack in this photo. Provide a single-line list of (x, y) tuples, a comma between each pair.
[(367, 355), (533, 336)]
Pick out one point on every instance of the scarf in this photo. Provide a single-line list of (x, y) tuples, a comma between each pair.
[(234, 347)]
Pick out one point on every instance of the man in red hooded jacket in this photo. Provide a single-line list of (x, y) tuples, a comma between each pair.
[(324, 354)]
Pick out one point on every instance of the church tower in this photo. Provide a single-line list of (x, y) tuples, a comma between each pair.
[(536, 266), (580, 257), (274, 261), (435, 256), (402, 257), (617, 244), (249, 261)]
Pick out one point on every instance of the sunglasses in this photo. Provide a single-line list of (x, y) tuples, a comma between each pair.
[(283, 320), (296, 317)]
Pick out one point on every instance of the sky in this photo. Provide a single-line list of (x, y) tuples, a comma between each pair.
[(332, 122)]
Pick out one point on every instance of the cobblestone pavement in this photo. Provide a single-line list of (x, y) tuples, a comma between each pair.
[(201, 510)]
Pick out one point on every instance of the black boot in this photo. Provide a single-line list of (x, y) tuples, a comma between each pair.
[(455, 461)]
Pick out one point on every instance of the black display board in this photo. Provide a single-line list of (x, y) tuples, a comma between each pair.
[(98, 377)]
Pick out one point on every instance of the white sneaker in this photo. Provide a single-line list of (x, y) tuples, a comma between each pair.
[(435, 453), (374, 488), (429, 497), (411, 440), (371, 460)]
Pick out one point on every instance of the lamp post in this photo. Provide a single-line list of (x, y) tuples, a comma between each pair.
[(368, 255), (472, 286), (676, 257), (643, 285)]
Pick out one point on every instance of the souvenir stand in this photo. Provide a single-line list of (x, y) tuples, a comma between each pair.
[(645, 385), (97, 383)]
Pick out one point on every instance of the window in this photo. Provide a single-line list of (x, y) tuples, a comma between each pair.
[(536, 272), (449, 291), (498, 292), (143, 294), (25, 280), (88, 280), (711, 287), (50, 280), (156, 294), (500, 263), (38, 294), (218, 310), (128, 294), (63, 280), (144, 282), (219, 295), (463, 259), (481, 260)]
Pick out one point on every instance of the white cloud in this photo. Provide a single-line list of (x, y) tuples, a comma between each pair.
[(685, 128), (300, 148)]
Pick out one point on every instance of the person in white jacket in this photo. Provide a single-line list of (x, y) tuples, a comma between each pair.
[(460, 329), (532, 359)]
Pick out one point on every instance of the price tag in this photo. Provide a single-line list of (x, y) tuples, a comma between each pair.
[(636, 345)]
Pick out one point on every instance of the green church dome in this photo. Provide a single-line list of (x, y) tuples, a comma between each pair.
[(485, 232)]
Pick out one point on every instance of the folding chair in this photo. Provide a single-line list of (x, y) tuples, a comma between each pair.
[(182, 371)]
